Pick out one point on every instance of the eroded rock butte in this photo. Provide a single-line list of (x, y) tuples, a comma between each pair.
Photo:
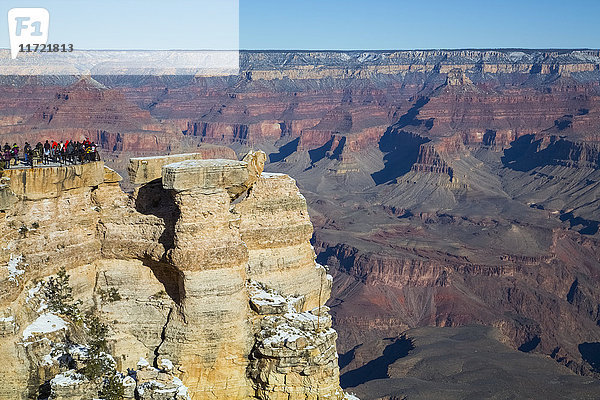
[(228, 292)]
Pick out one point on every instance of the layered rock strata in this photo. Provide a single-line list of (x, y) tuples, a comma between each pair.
[(179, 252), (294, 354)]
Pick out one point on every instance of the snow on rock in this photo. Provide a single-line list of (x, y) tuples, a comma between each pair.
[(45, 323), (165, 364), (283, 335), (155, 385), (182, 393), (129, 381), (290, 329), (78, 351), (129, 385), (42, 306), (7, 319), (68, 378), (325, 269), (143, 363), (293, 346), (266, 301), (34, 299), (33, 291), (7, 324), (348, 396), (48, 360), (13, 271), (268, 175), (72, 385)]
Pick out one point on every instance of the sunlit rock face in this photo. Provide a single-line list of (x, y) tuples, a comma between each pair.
[(180, 252)]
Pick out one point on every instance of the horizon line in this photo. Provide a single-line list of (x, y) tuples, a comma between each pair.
[(350, 50)]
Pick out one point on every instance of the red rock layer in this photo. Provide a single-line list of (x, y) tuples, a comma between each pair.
[(531, 300), (87, 109)]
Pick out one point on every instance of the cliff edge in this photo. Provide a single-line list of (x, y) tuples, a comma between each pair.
[(206, 272)]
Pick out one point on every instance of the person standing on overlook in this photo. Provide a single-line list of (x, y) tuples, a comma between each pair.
[(15, 153), (70, 152), (7, 157), (54, 151), (38, 152), (60, 152), (28, 154), (46, 152)]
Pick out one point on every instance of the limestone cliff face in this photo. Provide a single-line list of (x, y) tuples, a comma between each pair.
[(362, 64), (212, 264)]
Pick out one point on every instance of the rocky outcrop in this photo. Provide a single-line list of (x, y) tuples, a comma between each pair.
[(146, 169), (46, 183), (429, 160), (176, 256), (457, 77), (144, 382), (294, 354), (285, 262)]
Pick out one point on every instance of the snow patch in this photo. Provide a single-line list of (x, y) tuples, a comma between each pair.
[(68, 378), (45, 323), (79, 350), (270, 175), (284, 334), (165, 364), (143, 363), (13, 271), (183, 392), (48, 360), (263, 297), (33, 291), (348, 396), (7, 319), (128, 381)]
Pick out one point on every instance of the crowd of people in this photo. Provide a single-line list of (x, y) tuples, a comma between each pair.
[(69, 152)]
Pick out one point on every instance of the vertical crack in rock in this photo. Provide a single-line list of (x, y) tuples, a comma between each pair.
[(163, 336)]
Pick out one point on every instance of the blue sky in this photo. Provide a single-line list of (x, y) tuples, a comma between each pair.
[(136, 24), (414, 24), (318, 24)]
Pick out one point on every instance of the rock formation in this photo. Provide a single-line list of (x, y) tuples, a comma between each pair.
[(223, 297)]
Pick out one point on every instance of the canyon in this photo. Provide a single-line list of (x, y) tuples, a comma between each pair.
[(446, 188)]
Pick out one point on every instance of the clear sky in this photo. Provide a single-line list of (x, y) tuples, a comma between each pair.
[(136, 24), (318, 24), (419, 24)]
